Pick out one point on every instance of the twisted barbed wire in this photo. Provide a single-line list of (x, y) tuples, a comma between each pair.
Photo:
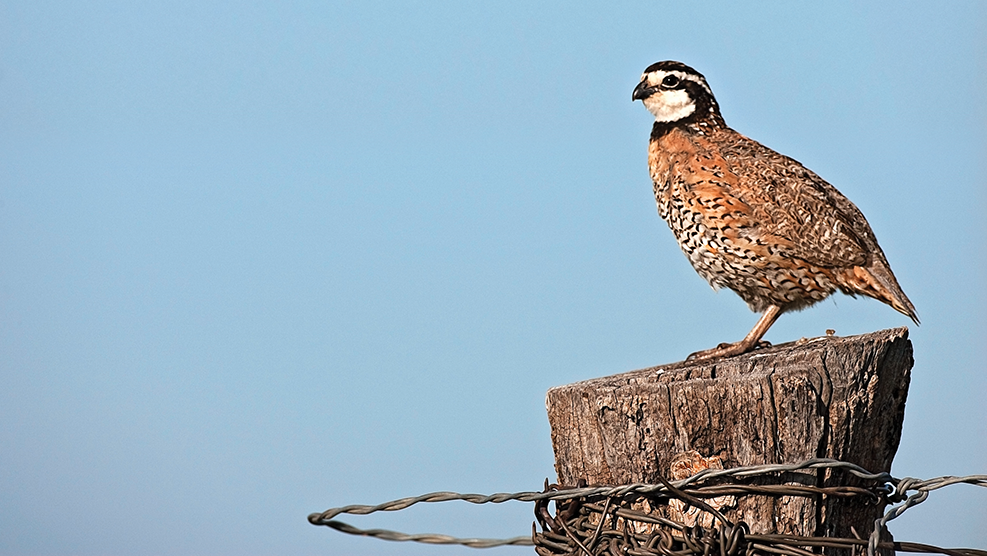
[(905, 493)]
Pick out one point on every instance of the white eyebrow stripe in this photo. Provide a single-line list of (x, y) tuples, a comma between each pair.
[(688, 77)]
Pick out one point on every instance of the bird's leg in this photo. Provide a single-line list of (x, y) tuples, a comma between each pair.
[(748, 343)]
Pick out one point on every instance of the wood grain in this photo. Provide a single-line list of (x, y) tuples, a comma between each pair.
[(830, 397)]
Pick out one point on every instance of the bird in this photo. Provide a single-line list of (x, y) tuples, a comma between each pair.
[(749, 218)]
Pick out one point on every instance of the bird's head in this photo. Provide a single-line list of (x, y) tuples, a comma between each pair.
[(674, 92)]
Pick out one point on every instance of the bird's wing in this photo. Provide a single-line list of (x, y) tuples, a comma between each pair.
[(789, 201)]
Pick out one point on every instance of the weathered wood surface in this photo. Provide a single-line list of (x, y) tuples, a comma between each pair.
[(830, 397)]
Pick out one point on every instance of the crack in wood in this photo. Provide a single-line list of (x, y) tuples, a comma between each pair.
[(835, 397)]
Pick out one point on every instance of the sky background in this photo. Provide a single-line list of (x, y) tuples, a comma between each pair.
[(261, 259)]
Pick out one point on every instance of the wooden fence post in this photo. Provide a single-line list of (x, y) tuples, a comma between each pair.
[(829, 397)]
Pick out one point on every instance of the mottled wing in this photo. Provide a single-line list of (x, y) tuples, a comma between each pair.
[(817, 223)]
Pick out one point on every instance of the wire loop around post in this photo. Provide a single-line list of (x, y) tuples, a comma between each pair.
[(592, 520)]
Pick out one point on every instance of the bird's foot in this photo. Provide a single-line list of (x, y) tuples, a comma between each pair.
[(727, 349)]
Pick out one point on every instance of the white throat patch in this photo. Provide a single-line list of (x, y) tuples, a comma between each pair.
[(675, 104), (670, 106)]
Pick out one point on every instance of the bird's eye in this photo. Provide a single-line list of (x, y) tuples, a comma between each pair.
[(670, 81)]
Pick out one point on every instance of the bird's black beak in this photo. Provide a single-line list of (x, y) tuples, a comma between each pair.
[(642, 91)]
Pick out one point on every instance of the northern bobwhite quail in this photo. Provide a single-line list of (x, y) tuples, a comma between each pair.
[(749, 218)]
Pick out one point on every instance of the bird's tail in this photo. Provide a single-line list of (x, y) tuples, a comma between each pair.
[(876, 280)]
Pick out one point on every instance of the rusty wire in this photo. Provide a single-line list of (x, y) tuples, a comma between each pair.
[(581, 513)]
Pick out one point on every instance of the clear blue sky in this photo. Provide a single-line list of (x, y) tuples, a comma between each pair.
[(261, 259)]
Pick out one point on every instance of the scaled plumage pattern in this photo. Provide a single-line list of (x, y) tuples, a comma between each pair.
[(751, 219)]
